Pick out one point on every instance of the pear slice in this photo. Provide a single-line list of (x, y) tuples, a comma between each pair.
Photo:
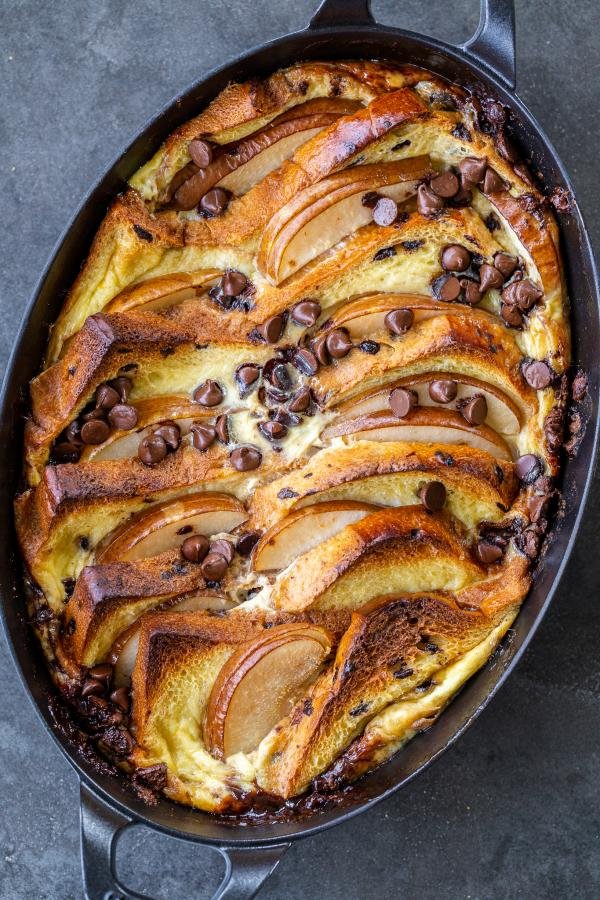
[(165, 526), (365, 316), (304, 529), (260, 683), (239, 166), (503, 415), (166, 290), (426, 425), (125, 648), (319, 217)]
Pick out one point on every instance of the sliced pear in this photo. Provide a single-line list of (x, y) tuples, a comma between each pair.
[(239, 166), (304, 529), (165, 526), (425, 425), (324, 213), (503, 414), (364, 317), (260, 684), (166, 290)]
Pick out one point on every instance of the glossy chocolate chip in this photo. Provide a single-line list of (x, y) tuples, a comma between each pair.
[(474, 410), (428, 203), (106, 396), (92, 414), (527, 294), (214, 203), (247, 374), (300, 401), (201, 152), (214, 567), (492, 183), (402, 401), (91, 686), (471, 291), (95, 431), (538, 374), (208, 394), (487, 553), (319, 348), (528, 467), (222, 429), (511, 315), (224, 548), (244, 459), (447, 288), (289, 419), (338, 343), (152, 449), (305, 361), (443, 390), (507, 147), (247, 542), (433, 496), (121, 698), (445, 185), (455, 258), (490, 277), (194, 548), (273, 430), (73, 433), (272, 329), (399, 321), (170, 433), (306, 313), (123, 417), (385, 211), (203, 435), (102, 672), (279, 376), (66, 452), (370, 199), (472, 170), (505, 264), (123, 386), (233, 283)]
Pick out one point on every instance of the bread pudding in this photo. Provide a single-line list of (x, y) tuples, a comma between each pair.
[(292, 455)]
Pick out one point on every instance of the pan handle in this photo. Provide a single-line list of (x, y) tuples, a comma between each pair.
[(493, 44), (245, 868)]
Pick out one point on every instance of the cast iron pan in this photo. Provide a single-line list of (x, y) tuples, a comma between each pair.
[(340, 29)]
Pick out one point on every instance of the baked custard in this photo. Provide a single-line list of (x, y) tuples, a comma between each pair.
[(293, 452)]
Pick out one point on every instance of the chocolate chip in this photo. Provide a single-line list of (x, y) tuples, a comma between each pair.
[(537, 507), (208, 394), (527, 294), (214, 567), (247, 542), (223, 548), (121, 698), (66, 452), (306, 313), (233, 283), (402, 401), (73, 433), (384, 253), (106, 396), (490, 277), (91, 686), (385, 211), (203, 435), (201, 152), (472, 170), (195, 548), (474, 410), (428, 203), (244, 459), (272, 329), (471, 292), (102, 672), (538, 374), (222, 429), (305, 361), (399, 321), (246, 375), (143, 233), (492, 183), (487, 553), (273, 431), (338, 343), (528, 467), (443, 391), (93, 414), (286, 418), (371, 347), (370, 199), (507, 147), (505, 264), (123, 417), (455, 258), (511, 315), (95, 431), (279, 376), (300, 401), (319, 348), (528, 542), (445, 185), (214, 202), (447, 288), (152, 449), (433, 496)]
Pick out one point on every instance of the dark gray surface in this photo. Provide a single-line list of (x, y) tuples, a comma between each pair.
[(513, 810)]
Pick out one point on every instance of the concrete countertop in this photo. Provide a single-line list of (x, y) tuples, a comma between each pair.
[(512, 811)]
